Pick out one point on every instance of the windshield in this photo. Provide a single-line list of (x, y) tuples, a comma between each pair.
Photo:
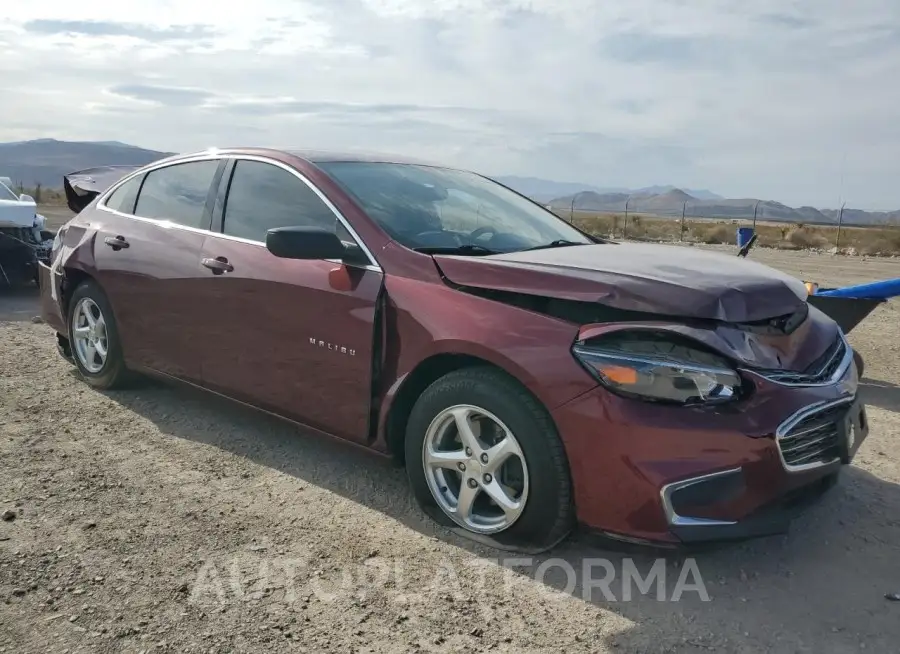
[(424, 207), (6, 193)]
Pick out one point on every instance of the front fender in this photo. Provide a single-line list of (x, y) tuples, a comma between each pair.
[(424, 320)]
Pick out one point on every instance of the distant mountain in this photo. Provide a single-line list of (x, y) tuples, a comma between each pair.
[(544, 190), (672, 202), (45, 161)]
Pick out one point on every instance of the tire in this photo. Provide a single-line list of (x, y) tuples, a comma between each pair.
[(111, 373), (860, 364), (545, 513)]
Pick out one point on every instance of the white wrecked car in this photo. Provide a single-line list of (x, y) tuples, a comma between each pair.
[(23, 239)]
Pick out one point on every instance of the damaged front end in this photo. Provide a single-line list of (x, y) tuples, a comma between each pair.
[(22, 249), (23, 240), (722, 407), (677, 304)]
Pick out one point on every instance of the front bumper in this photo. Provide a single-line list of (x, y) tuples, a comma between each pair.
[(670, 475)]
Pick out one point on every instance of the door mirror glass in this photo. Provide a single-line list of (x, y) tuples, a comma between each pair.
[(304, 243)]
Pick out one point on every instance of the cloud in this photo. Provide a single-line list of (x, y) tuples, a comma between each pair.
[(106, 28), (785, 20), (163, 95), (772, 98)]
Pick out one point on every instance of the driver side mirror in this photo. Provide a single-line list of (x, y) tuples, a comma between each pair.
[(26, 198)]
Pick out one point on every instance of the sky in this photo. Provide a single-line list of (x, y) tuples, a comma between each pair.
[(789, 100)]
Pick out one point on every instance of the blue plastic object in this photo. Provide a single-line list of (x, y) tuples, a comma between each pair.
[(744, 234), (882, 290)]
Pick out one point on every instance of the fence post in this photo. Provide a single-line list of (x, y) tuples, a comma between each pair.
[(837, 242), (625, 224)]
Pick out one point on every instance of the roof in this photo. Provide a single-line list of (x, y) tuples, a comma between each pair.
[(325, 156), (314, 156)]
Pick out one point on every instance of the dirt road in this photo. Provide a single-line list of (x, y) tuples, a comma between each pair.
[(164, 520)]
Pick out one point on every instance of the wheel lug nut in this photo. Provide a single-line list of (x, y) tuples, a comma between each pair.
[(484, 458), (462, 466), (488, 479), (472, 483), (468, 451)]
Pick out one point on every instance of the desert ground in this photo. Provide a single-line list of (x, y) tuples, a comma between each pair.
[(165, 520)]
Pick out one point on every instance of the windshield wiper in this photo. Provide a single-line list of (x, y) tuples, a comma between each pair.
[(560, 243), (458, 249)]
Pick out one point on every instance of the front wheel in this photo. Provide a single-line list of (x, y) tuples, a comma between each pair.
[(483, 455), (94, 338)]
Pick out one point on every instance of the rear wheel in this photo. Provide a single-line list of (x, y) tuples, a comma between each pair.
[(94, 338), (483, 455)]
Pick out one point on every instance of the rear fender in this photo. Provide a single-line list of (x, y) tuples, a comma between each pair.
[(73, 260)]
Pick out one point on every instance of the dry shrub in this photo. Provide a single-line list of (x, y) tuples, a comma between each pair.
[(866, 240), (873, 241), (658, 230), (718, 235), (598, 224), (806, 238)]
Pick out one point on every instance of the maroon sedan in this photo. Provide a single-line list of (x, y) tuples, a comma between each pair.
[(530, 376)]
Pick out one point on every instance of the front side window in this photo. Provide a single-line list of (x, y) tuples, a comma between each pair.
[(178, 193), (426, 207), (263, 196), (123, 198)]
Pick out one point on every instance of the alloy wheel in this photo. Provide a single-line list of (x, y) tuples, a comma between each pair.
[(89, 334), (475, 469)]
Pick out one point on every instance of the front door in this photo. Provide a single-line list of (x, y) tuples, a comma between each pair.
[(293, 337), (147, 253)]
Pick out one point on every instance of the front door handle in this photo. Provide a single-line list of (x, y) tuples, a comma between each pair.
[(116, 243), (218, 265)]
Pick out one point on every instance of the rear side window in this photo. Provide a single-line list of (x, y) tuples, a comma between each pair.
[(262, 196), (178, 193), (122, 199)]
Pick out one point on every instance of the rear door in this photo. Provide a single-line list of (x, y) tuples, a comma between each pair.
[(147, 258), (294, 337)]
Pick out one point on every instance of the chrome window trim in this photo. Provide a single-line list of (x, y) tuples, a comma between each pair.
[(782, 430), (164, 163), (675, 520), (373, 264)]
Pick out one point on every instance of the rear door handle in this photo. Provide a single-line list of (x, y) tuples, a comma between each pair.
[(116, 243), (218, 265)]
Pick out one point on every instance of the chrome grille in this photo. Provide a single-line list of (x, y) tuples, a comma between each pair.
[(821, 371), (813, 438)]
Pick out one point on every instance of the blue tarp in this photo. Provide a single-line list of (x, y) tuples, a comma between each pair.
[(882, 290)]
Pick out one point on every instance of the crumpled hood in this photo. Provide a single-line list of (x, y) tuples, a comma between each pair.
[(661, 279)]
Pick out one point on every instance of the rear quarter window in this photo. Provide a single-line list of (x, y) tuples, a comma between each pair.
[(178, 193), (124, 197)]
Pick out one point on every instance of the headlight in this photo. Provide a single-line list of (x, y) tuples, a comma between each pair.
[(639, 367)]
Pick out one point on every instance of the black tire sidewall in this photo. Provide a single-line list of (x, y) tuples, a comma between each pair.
[(114, 365), (860, 364), (548, 511)]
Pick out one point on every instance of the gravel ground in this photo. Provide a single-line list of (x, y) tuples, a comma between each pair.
[(165, 520)]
